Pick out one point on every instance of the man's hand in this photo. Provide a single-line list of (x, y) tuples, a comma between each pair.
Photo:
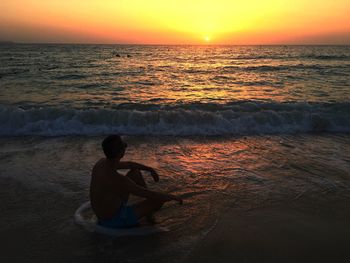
[(154, 174)]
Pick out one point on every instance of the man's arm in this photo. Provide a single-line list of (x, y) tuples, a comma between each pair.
[(133, 165), (137, 190)]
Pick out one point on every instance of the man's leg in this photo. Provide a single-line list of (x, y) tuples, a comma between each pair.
[(136, 176), (145, 208)]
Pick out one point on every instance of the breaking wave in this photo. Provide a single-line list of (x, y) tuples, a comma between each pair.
[(236, 118)]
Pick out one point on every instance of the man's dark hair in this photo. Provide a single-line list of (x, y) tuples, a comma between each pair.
[(112, 146)]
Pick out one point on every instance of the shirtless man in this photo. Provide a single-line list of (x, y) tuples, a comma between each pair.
[(109, 190)]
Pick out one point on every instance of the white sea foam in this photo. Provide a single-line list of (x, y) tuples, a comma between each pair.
[(242, 118)]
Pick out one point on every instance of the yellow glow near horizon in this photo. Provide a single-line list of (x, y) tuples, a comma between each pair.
[(181, 21)]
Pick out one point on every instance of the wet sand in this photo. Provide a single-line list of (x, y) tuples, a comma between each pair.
[(303, 230)]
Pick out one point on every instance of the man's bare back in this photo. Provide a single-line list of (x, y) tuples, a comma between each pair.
[(105, 191)]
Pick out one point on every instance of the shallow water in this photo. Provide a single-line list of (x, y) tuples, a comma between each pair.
[(45, 179)]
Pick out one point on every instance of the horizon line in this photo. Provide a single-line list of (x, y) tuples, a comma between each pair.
[(8, 42)]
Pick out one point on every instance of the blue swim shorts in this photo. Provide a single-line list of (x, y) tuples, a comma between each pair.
[(124, 218)]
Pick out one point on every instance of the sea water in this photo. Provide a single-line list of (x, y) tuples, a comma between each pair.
[(225, 126), (173, 90)]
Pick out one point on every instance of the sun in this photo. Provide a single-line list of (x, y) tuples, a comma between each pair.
[(207, 38)]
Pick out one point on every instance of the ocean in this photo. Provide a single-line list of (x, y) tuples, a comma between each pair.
[(229, 128), (55, 90)]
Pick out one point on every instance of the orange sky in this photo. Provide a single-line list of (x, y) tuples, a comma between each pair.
[(176, 22)]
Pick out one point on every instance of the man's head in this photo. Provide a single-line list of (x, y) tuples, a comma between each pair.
[(114, 147)]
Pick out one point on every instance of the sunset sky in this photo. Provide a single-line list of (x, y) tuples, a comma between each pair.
[(176, 22)]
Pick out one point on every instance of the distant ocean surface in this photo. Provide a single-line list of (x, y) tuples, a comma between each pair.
[(173, 90)]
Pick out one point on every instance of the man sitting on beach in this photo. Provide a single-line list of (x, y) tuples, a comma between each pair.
[(109, 190)]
